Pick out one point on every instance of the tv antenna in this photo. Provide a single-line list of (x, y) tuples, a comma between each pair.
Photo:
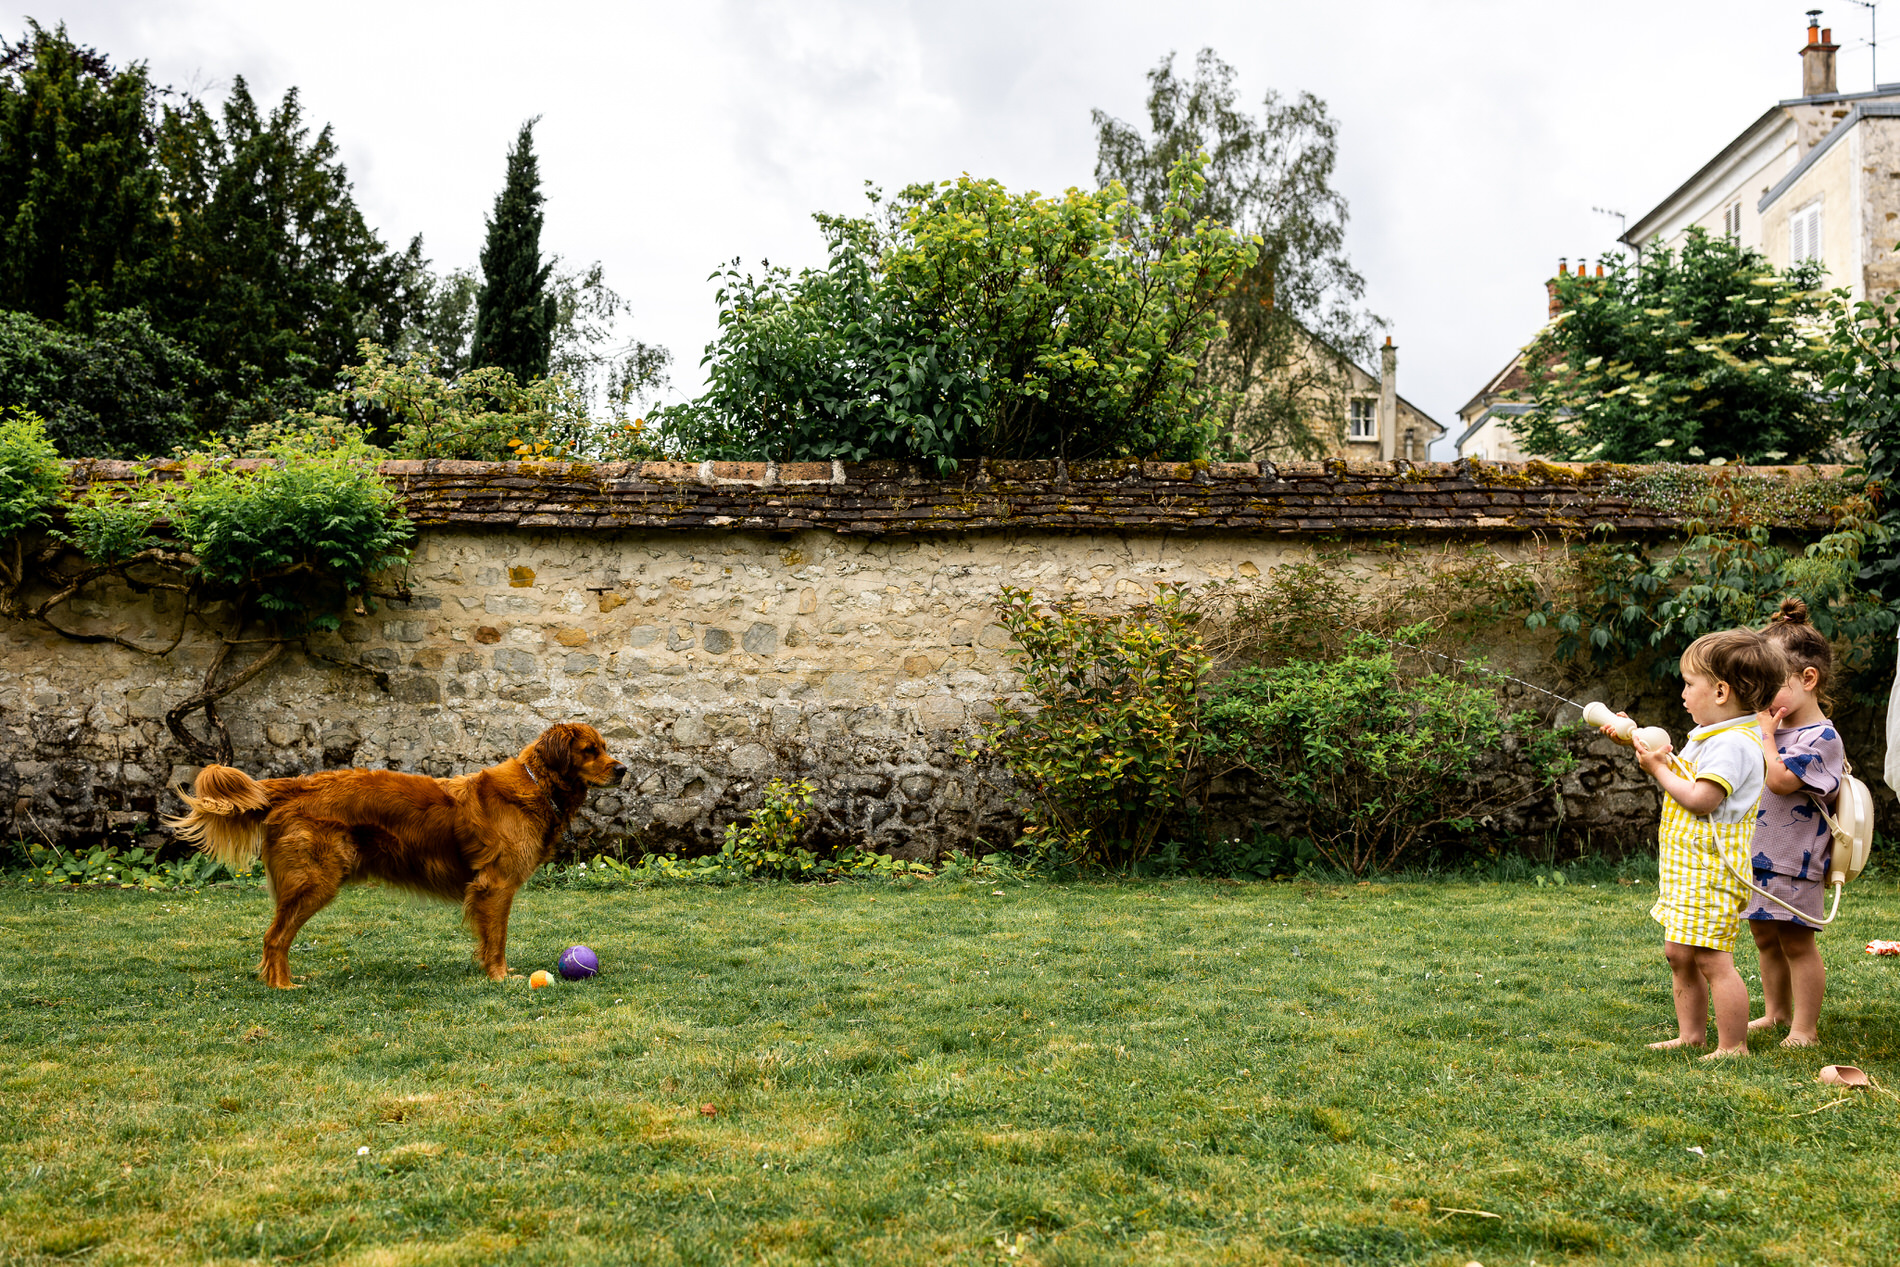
[(1873, 36), (1622, 221)]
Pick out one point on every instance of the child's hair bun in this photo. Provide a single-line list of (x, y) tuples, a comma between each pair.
[(1793, 612)]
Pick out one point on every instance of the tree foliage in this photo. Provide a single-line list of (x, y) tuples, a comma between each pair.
[(274, 276), (81, 208), (1706, 352), (515, 316), (975, 322), (124, 390), (1293, 320)]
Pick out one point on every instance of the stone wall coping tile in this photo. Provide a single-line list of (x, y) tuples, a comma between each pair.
[(888, 498)]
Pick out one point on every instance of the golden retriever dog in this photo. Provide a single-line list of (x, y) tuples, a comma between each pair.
[(476, 838)]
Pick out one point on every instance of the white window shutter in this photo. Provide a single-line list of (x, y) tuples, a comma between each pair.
[(1814, 232), (1797, 246)]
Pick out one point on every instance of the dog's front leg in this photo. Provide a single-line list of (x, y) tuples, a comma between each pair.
[(486, 907)]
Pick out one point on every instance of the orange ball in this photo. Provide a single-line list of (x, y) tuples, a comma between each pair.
[(540, 978)]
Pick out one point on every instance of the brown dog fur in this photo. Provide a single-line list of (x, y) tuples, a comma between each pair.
[(476, 838)]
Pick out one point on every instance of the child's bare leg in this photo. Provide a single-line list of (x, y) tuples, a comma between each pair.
[(1808, 981), (1692, 997), (1777, 1008), (1730, 995)]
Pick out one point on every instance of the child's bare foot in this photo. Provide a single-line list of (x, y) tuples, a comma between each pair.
[(1767, 1022), (1801, 1040), (1727, 1053), (1672, 1043)]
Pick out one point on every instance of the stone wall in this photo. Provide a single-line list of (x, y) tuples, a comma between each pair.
[(725, 623)]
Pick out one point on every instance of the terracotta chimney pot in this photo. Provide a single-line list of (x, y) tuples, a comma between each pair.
[(1817, 60)]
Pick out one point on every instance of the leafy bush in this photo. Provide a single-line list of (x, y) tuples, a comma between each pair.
[(482, 414), (766, 848), (302, 533), (1102, 753), (830, 363), (1376, 760), (1705, 351), (1864, 376), (31, 478), (976, 322), (1624, 601)]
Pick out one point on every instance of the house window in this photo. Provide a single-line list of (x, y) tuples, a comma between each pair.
[(1804, 234), (1732, 221), (1364, 424)]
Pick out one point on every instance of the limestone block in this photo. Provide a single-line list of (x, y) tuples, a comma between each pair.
[(643, 635), (516, 663), (691, 732), (847, 687), (761, 639), (750, 758), (579, 662), (995, 637), (717, 642)]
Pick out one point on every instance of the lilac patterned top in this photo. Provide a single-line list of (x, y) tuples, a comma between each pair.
[(1791, 837)]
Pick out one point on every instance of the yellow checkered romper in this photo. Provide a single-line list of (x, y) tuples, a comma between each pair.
[(1699, 901)]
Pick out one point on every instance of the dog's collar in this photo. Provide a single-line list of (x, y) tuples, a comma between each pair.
[(552, 804)]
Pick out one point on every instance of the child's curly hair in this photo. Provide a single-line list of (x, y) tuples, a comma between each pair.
[(1751, 665), (1800, 643)]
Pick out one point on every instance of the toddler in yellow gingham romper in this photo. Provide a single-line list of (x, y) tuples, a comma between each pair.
[(1710, 791), (1700, 894)]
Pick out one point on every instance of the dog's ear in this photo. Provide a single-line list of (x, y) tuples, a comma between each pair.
[(556, 747)]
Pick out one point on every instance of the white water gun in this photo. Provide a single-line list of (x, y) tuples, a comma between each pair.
[(1654, 738)]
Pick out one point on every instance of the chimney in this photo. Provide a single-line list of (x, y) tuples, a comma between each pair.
[(1388, 400), (1817, 59), (1550, 289)]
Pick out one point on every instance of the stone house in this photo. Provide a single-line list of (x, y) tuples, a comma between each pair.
[(1816, 177), (1376, 423)]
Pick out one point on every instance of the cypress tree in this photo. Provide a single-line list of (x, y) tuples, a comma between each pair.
[(514, 314)]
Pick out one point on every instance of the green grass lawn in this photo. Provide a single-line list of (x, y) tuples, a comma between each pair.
[(1120, 1073)]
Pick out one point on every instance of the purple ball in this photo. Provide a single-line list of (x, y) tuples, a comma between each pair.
[(578, 962)]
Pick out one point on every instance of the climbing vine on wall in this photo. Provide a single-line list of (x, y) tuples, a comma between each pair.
[(263, 554)]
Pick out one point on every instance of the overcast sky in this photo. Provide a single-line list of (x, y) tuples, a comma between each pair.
[(1475, 138)]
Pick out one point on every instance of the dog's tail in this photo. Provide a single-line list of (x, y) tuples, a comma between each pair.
[(227, 816)]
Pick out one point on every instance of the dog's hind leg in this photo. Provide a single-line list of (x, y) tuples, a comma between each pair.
[(486, 906), (307, 863)]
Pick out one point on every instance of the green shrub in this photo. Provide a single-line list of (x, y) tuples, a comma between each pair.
[(1622, 601), (302, 533), (31, 477), (1102, 754), (766, 847), (1374, 760)]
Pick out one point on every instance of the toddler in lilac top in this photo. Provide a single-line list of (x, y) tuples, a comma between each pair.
[(1805, 762)]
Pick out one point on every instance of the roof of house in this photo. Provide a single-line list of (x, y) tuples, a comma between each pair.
[(1770, 118), (1513, 408), (1865, 110), (1510, 378)]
